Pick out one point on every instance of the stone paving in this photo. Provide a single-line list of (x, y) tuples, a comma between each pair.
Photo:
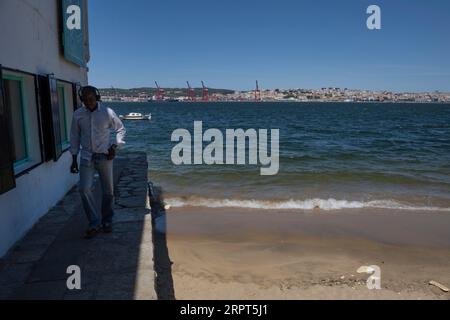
[(113, 266)]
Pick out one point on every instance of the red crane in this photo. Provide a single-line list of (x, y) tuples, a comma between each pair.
[(191, 92), (257, 92), (160, 93), (205, 93)]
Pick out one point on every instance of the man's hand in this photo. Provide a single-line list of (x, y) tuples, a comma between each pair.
[(112, 152), (74, 167)]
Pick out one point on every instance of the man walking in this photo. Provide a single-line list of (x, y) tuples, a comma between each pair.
[(91, 129)]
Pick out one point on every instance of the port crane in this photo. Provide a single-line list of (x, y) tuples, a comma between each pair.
[(205, 93), (191, 92), (160, 93), (257, 92)]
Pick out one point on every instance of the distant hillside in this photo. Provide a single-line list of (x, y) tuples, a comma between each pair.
[(170, 92)]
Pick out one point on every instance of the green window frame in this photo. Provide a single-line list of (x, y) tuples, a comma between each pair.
[(64, 143), (11, 77)]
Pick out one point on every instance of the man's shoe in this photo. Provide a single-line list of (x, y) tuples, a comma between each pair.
[(91, 232), (107, 228)]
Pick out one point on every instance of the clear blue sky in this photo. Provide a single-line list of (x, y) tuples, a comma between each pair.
[(282, 43)]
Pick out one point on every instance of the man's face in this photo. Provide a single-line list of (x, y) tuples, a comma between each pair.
[(89, 99)]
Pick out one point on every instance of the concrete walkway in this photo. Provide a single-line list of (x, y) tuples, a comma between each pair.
[(113, 266)]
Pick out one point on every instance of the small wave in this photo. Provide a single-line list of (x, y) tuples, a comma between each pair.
[(309, 204)]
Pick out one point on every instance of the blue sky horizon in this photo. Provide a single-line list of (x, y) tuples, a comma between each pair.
[(282, 44)]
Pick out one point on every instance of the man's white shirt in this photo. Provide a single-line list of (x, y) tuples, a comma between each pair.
[(91, 130)]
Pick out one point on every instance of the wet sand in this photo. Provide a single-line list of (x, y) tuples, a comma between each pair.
[(259, 254)]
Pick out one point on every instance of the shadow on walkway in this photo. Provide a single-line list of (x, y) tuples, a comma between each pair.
[(163, 265), (113, 266)]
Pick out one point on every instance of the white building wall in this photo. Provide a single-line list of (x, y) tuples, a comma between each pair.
[(35, 193), (30, 39), (30, 42)]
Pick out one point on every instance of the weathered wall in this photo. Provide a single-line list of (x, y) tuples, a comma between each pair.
[(30, 39)]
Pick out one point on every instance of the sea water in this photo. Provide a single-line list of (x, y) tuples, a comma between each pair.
[(331, 155)]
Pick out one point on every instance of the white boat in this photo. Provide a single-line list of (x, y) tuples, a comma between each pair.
[(136, 116)]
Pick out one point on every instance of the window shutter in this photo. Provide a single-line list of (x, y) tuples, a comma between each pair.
[(46, 118), (48, 96), (76, 99), (7, 179)]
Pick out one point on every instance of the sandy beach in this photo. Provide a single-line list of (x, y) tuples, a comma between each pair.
[(269, 254)]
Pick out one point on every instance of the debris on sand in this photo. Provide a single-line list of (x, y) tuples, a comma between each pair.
[(440, 286)]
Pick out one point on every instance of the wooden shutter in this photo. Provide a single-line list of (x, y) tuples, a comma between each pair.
[(76, 99), (73, 42), (7, 179), (51, 131)]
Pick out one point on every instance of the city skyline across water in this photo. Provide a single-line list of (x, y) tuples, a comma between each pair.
[(260, 94)]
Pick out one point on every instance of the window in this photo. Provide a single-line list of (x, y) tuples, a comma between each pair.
[(14, 98), (65, 101), (23, 119), (35, 116)]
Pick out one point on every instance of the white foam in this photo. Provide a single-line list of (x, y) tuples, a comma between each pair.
[(309, 204)]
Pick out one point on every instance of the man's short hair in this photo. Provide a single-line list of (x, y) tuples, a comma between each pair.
[(89, 89)]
